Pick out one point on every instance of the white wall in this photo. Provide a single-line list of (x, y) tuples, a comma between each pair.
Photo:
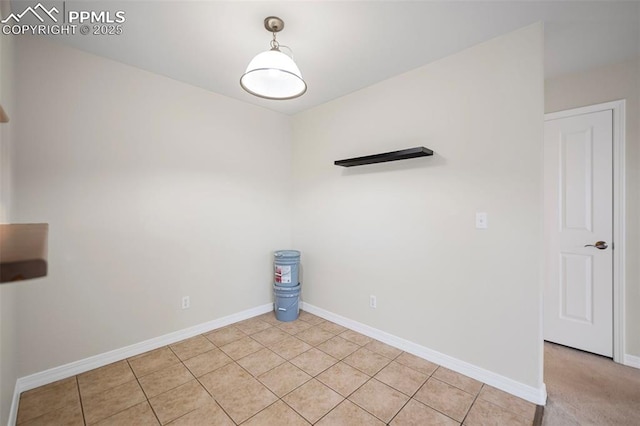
[(6, 100), (153, 190), (8, 357), (405, 231), (613, 82)]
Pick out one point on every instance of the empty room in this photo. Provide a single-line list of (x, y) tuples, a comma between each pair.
[(309, 212)]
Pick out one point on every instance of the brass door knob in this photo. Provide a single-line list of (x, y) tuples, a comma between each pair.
[(600, 245)]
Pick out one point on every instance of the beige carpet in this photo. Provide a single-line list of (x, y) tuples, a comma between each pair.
[(585, 389)]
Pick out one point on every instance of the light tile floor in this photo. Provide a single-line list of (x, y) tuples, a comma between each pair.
[(265, 372)]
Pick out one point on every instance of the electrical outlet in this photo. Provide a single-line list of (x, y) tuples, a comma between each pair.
[(373, 303), (186, 302)]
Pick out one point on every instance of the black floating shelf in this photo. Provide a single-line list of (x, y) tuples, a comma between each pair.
[(404, 154)]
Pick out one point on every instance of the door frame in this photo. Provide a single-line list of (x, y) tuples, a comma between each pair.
[(619, 218)]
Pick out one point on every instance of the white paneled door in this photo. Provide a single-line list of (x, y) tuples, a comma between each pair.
[(578, 294)]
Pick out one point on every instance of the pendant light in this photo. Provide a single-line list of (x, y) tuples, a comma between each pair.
[(273, 74)]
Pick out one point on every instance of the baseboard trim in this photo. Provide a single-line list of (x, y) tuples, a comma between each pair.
[(631, 360), (13, 411), (536, 395), (77, 367)]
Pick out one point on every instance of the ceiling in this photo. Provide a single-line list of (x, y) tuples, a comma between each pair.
[(343, 46)]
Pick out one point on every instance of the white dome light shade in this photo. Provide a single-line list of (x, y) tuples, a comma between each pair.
[(273, 75)]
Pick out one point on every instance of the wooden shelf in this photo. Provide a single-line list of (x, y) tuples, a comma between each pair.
[(23, 251), (24, 270), (404, 154)]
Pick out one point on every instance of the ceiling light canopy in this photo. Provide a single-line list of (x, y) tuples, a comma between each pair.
[(273, 74)]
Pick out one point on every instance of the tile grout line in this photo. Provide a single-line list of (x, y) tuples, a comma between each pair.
[(363, 384), (411, 397), (125, 409), (277, 396), (476, 397), (286, 361), (291, 391), (255, 414), (500, 407), (238, 364), (439, 411), (84, 420), (143, 392), (330, 411), (244, 369), (462, 390), (204, 387), (359, 387), (366, 410), (472, 404), (214, 399), (315, 377), (355, 403), (194, 377), (312, 377)]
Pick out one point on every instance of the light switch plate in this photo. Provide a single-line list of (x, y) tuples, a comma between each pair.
[(481, 220)]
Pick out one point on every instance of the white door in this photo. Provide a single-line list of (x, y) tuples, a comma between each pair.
[(578, 203)]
